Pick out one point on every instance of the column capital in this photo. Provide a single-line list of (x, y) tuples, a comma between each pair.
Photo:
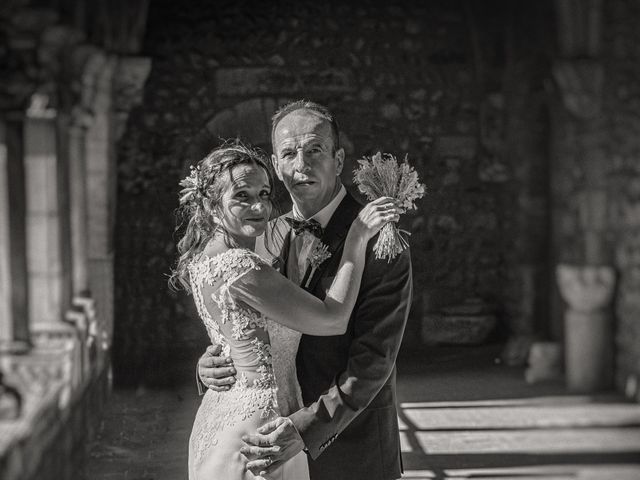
[(128, 81), (586, 288), (581, 86), (39, 107)]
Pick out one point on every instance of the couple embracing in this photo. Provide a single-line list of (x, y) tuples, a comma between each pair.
[(305, 323)]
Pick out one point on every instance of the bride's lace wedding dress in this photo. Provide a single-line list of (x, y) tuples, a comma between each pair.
[(263, 353)]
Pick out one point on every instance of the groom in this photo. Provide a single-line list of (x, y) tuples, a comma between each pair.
[(348, 426)]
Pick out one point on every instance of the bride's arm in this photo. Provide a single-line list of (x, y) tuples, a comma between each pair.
[(284, 302)]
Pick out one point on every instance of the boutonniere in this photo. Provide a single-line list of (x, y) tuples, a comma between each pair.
[(277, 263), (318, 256)]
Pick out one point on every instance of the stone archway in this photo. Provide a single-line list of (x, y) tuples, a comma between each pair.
[(250, 122)]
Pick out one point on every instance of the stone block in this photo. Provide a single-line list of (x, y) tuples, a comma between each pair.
[(41, 183), (390, 111), (588, 351), (592, 207), (458, 329), (258, 81), (460, 146), (98, 216), (493, 171), (97, 148), (251, 116), (43, 244), (45, 302), (516, 351), (545, 362)]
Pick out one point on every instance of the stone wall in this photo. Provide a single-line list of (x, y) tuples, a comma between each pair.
[(430, 79), (596, 181), (622, 153)]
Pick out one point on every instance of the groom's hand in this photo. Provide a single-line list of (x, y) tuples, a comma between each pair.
[(215, 371), (275, 443)]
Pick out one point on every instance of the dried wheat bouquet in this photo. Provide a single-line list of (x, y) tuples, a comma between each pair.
[(383, 176)]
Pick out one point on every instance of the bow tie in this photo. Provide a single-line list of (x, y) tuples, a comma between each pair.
[(312, 226)]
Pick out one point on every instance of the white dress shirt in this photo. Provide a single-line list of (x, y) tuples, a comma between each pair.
[(302, 245)]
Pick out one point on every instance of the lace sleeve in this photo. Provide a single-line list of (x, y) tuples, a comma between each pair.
[(211, 278), (234, 264), (225, 270)]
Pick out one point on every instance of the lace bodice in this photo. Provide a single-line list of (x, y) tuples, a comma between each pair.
[(263, 351)]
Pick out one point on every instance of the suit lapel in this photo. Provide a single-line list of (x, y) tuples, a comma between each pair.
[(334, 236), (281, 234)]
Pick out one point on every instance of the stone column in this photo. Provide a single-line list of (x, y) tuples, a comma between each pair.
[(120, 89), (579, 193), (55, 358), (91, 66), (14, 317), (44, 235), (101, 176), (578, 137), (588, 291), (49, 366), (78, 201)]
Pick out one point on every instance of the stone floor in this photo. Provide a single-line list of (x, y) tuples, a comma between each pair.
[(463, 416)]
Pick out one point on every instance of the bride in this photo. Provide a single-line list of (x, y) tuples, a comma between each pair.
[(254, 312)]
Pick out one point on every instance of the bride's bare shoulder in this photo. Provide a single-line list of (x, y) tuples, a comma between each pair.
[(214, 248)]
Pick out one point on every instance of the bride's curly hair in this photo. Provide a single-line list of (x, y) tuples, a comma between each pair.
[(199, 201)]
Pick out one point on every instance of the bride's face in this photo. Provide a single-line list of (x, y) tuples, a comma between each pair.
[(245, 204)]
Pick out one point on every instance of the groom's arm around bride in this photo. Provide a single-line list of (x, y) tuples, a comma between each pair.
[(348, 381)]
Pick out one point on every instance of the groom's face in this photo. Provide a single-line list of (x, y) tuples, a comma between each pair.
[(306, 161)]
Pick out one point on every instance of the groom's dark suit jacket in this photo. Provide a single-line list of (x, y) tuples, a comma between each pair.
[(349, 422)]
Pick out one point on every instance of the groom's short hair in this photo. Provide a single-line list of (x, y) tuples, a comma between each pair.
[(317, 109)]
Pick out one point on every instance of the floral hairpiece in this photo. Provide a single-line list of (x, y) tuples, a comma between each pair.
[(193, 188)]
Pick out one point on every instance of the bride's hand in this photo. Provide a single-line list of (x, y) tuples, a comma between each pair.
[(374, 216)]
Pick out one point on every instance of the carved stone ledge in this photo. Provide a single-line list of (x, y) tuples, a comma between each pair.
[(10, 401), (14, 347), (39, 374), (55, 361), (57, 337)]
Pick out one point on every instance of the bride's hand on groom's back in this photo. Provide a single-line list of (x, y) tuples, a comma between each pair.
[(216, 372)]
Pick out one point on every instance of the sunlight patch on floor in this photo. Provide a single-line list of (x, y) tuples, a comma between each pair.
[(538, 472), (542, 416), (583, 440)]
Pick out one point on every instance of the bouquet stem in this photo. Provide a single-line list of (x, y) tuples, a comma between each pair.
[(390, 243)]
